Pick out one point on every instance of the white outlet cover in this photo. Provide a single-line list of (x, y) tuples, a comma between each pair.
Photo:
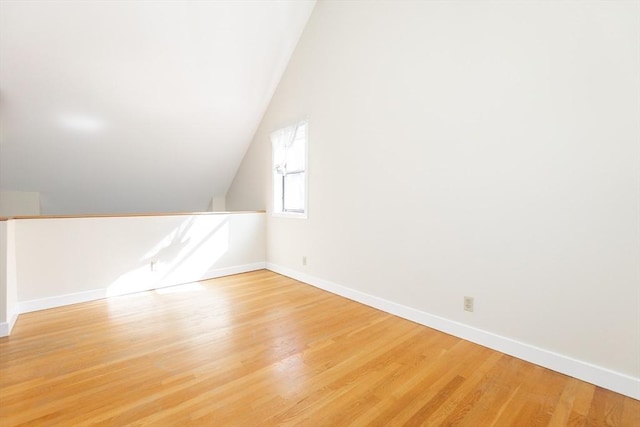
[(468, 303)]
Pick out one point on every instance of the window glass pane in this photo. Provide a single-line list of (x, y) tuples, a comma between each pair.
[(289, 169), (294, 192), (279, 153), (295, 156)]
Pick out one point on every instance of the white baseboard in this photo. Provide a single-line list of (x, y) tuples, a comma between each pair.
[(602, 377), (60, 300), (229, 271), (67, 299), (6, 327)]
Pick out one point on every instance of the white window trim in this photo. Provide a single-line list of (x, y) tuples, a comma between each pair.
[(298, 215)]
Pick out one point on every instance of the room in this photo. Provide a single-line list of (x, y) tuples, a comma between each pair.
[(484, 152)]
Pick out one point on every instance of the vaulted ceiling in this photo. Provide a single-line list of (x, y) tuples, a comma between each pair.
[(136, 106)]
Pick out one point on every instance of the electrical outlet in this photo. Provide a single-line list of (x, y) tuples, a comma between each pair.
[(304, 260), (468, 303)]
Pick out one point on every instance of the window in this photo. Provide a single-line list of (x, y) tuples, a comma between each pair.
[(290, 170)]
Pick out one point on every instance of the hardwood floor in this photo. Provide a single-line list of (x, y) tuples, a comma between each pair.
[(259, 349)]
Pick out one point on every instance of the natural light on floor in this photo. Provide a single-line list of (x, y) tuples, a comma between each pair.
[(189, 287)]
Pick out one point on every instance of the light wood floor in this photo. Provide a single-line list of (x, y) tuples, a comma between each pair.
[(259, 349)]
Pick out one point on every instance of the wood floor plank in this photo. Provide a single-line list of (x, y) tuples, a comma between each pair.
[(606, 409), (262, 349)]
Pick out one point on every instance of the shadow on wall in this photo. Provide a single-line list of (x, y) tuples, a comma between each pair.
[(183, 256)]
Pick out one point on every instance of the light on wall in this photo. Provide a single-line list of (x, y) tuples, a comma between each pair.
[(80, 122)]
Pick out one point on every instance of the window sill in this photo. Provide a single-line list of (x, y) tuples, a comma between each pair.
[(290, 215)]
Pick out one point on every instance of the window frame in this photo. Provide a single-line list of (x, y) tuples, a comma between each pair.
[(277, 179)]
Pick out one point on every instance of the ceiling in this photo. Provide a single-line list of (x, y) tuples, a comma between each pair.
[(136, 106)]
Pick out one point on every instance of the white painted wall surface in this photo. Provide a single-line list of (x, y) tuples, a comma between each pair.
[(217, 204), (3, 272), (15, 203), (11, 277), (63, 260), (488, 149), (8, 289)]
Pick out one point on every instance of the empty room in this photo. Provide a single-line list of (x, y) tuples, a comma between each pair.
[(319, 213)]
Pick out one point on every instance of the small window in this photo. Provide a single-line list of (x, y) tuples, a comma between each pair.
[(290, 170)]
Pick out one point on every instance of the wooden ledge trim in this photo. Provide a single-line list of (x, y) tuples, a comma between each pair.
[(124, 215)]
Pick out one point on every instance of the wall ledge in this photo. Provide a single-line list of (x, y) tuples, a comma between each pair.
[(6, 218)]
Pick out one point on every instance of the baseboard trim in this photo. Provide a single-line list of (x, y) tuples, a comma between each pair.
[(602, 377), (60, 300), (229, 271), (6, 327), (85, 296)]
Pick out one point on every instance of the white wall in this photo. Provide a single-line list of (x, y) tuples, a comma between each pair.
[(14, 203), (8, 284), (488, 149), (3, 272), (217, 204), (65, 260)]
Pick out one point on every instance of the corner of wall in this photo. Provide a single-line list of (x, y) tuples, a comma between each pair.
[(14, 203), (8, 291), (600, 376)]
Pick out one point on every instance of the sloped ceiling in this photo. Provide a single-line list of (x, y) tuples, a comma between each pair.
[(136, 106)]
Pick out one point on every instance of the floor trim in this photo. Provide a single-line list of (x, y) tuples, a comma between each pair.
[(602, 377), (6, 327), (92, 295)]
